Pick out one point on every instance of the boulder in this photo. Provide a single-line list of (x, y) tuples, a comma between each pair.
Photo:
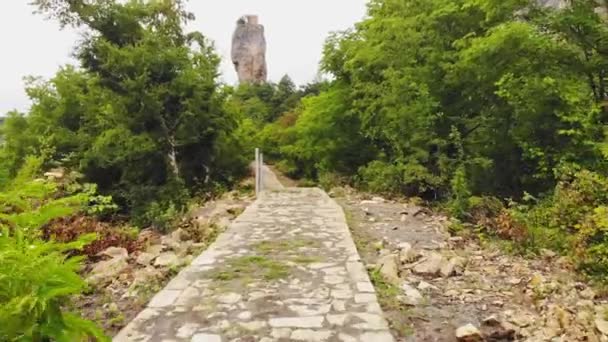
[(146, 258), (406, 253), (106, 270), (167, 259), (423, 286), (429, 266), (53, 174), (389, 268), (601, 325), (411, 296), (468, 333), (452, 267), (114, 252)]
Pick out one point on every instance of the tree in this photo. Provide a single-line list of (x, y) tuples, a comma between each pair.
[(143, 116)]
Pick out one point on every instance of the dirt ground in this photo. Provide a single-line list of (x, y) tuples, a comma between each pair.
[(503, 297)]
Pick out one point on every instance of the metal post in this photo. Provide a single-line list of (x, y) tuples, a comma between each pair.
[(256, 167)]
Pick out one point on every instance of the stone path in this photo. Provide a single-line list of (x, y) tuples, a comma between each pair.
[(286, 270)]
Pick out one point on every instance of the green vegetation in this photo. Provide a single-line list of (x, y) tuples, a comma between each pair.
[(37, 276), (248, 268), (131, 134), (495, 109)]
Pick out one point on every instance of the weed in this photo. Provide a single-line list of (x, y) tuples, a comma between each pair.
[(245, 268)]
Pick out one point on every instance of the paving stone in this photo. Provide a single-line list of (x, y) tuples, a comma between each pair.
[(229, 298), (365, 298), (297, 322), (365, 287), (253, 326), (311, 335), (337, 320), (187, 330), (206, 338), (164, 298)]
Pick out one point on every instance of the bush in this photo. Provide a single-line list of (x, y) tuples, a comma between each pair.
[(573, 220), (409, 179), (36, 282), (37, 277)]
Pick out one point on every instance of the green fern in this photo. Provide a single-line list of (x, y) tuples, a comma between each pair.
[(37, 278)]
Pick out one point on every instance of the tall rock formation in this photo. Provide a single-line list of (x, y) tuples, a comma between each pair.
[(249, 50)]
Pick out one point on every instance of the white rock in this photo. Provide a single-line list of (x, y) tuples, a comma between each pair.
[(115, 252), (423, 286), (412, 296), (430, 266), (468, 333), (601, 325), (145, 258), (107, 270), (206, 338), (389, 268), (166, 259)]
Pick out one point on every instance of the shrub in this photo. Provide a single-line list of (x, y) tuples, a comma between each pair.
[(36, 281), (38, 277), (409, 179)]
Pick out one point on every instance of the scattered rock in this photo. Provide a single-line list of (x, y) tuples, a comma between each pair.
[(145, 258), (57, 173), (166, 259), (115, 252), (423, 286), (452, 267), (601, 325), (520, 319), (429, 266), (588, 293), (547, 253), (491, 321), (495, 330), (389, 269), (107, 270), (468, 333), (406, 253), (411, 295)]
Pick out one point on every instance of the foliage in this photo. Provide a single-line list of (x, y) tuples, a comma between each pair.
[(142, 117), (572, 220), (497, 108), (37, 277)]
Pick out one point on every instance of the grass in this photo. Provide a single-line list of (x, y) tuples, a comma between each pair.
[(267, 247), (248, 267)]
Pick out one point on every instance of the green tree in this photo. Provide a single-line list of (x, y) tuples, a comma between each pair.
[(143, 117)]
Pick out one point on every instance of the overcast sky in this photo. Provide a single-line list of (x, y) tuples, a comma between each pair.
[(295, 32)]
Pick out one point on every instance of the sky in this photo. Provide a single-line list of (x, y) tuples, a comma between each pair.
[(295, 32)]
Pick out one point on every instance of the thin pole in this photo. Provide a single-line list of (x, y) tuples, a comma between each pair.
[(261, 171), (257, 171)]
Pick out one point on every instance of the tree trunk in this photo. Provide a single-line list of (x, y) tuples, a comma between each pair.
[(172, 155)]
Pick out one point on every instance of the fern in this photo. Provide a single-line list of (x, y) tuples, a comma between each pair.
[(37, 277)]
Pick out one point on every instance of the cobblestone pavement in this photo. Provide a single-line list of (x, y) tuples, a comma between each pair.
[(286, 270)]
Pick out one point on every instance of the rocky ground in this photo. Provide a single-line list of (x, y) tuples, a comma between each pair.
[(122, 283), (434, 287)]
